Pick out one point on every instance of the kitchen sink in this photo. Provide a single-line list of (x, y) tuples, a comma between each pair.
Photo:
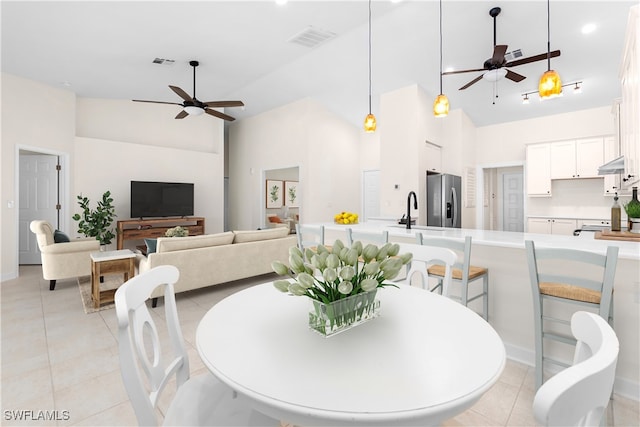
[(419, 227)]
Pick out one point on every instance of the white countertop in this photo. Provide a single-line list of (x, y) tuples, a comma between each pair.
[(507, 239)]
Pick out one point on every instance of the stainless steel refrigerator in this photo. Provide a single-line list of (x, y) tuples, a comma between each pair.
[(444, 194)]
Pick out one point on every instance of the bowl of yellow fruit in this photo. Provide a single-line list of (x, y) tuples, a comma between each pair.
[(346, 218)]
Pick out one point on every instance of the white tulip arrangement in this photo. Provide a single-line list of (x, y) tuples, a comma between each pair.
[(331, 274)]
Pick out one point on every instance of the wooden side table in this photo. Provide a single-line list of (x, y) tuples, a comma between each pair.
[(109, 262)]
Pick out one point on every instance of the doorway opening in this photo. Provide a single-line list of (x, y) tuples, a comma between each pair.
[(500, 199)]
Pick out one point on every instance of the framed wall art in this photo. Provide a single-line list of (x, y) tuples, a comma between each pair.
[(291, 194), (274, 194)]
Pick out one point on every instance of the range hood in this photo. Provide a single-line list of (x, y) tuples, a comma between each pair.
[(613, 167)]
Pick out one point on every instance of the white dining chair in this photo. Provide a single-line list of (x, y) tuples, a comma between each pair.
[(579, 395), (309, 236), (464, 272), (423, 258), (146, 370), (580, 278), (366, 237)]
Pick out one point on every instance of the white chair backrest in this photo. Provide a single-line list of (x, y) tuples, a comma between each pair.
[(578, 395), (145, 370), (462, 249), (309, 236), (423, 256), (366, 237), (43, 231)]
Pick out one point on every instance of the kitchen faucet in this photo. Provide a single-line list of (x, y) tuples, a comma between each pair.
[(415, 206)]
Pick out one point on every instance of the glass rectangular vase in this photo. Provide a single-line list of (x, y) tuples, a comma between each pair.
[(338, 316)]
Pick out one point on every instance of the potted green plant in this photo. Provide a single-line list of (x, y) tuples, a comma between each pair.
[(97, 222)]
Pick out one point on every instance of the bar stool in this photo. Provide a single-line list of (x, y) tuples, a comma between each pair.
[(309, 236), (367, 237), (589, 285), (463, 272)]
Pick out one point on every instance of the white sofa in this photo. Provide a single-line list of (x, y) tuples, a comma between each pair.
[(212, 259)]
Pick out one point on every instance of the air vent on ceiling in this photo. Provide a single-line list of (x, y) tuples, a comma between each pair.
[(311, 36), (514, 54), (162, 61)]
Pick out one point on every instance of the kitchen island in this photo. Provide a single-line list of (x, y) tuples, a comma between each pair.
[(510, 305)]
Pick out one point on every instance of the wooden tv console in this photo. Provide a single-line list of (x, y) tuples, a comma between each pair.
[(137, 229)]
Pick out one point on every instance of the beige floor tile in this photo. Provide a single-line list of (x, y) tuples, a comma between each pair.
[(91, 397), (625, 412), (469, 418), (119, 415), (28, 413), (497, 403), (522, 413), (514, 373), (19, 389), (77, 369)]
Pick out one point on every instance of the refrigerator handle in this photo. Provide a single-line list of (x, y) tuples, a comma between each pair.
[(454, 199)]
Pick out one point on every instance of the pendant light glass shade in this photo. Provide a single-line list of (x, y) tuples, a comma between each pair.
[(370, 123), (441, 106), (550, 85)]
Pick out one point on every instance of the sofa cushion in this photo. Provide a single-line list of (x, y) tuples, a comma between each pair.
[(170, 244), (255, 235), (60, 237)]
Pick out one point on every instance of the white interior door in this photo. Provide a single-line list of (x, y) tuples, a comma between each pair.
[(371, 194), (512, 202), (38, 200)]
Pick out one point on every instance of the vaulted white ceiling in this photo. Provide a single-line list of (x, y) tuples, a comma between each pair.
[(106, 50)]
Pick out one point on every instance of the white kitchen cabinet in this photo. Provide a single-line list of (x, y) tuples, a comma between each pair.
[(433, 158), (551, 226), (630, 106), (577, 158), (538, 170), (611, 151)]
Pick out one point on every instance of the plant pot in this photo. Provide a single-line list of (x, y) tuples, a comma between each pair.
[(634, 225), (339, 316)]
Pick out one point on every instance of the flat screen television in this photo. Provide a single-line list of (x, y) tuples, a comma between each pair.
[(161, 199)]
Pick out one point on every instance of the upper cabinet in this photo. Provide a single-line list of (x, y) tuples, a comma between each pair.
[(538, 170), (576, 159)]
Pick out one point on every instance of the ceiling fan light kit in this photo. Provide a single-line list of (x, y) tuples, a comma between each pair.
[(441, 104), (370, 123), (193, 111), (550, 85)]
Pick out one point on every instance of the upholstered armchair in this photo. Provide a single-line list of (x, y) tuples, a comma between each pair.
[(62, 260)]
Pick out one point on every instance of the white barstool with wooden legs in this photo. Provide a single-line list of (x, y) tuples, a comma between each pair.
[(309, 236), (569, 276), (463, 272), (366, 237), (423, 258), (579, 395)]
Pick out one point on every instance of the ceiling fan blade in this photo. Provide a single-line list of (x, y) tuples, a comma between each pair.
[(462, 71), (216, 104), (182, 114), (514, 76), (534, 58), (498, 53), (476, 80), (219, 114), (157, 102), (182, 94)]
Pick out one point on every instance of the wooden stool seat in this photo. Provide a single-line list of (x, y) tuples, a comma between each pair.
[(572, 292), (438, 270)]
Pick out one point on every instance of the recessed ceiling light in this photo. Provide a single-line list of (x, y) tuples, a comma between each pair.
[(281, 2), (589, 28)]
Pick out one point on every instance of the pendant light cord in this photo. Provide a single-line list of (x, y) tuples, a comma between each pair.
[(548, 37), (369, 56), (440, 46)]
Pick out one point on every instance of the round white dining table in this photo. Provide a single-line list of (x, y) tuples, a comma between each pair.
[(424, 359)]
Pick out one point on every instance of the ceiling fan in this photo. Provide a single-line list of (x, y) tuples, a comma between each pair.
[(193, 106), (493, 67)]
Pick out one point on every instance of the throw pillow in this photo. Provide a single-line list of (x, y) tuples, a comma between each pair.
[(151, 245), (60, 237)]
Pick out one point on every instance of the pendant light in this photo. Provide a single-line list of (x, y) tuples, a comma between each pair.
[(550, 84), (441, 104), (370, 121)]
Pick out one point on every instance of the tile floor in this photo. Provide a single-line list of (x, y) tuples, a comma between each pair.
[(56, 358)]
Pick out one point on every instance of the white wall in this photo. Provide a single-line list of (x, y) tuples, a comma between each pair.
[(305, 134), (47, 125), (127, 139)]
